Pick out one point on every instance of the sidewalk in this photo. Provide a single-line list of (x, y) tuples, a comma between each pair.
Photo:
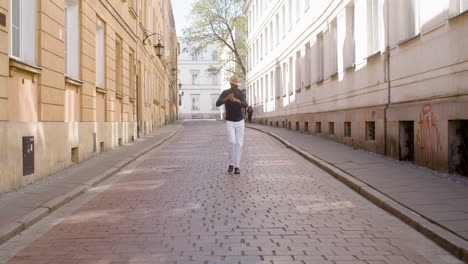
[(22, 208), (434, 203)]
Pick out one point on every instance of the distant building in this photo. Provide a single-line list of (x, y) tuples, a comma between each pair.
[(199, 89), (385, 76), (79, 77)]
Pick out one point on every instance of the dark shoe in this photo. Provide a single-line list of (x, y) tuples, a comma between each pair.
[(230, 168), (237, 171)]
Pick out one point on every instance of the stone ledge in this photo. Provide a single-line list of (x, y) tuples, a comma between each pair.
[(72, 81), (20, 66), (101, 90)]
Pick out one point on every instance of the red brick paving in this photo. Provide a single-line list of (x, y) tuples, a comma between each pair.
[(180, 206)]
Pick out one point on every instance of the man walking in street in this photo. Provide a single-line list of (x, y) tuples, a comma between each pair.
[(249, 113), (234, 100)]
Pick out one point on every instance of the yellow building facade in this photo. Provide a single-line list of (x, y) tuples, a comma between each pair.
[(79, 77)]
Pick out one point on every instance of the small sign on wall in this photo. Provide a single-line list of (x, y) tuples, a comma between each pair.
[(2, 20)]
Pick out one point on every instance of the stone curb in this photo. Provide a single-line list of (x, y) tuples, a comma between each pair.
[(10, 230), (444, 238)]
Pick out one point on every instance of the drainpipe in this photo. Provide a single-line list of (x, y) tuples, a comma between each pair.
[(137, 99), (387, 48)]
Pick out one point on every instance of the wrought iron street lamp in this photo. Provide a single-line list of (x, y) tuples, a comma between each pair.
[(159, 48)]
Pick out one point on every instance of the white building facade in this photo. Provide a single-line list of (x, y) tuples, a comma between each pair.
[(388, 76), (199, 90)]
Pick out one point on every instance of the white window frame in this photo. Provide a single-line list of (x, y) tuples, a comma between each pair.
[(195, 101), (409, 19), (72, 41), (100, 53), (349, 55), (457, 7), (25, 28), (298, 70), (374, 26), (306, 65)]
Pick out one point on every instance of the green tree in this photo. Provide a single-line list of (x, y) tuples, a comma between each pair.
[(222, 23)]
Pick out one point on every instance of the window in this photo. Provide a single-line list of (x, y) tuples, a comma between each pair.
[(195, 102), (284, 84), (374, 15), (261, 47), (331, 61), (272, 84), (277, 29), (278, 81), (195, 76), (291, 76), (271, 35), (306, 66), (306, 126), (23, 33), (100, 53), (331, 128), (298, 9), (299, 82), (347, 129), (267, 88), (290, 15), (214, 98), (306, 5), (131, 70), (283, 24), (318, 127), (195, 55), (458, 7), (349, 57), (261, 92), (214, 79), (317, 59), (409, 19), (370, 131), (71, 39), (118, 66)]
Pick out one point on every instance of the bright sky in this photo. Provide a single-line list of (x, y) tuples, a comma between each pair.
[(181, 9)]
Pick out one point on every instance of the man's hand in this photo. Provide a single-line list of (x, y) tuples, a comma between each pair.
[(228, 98)]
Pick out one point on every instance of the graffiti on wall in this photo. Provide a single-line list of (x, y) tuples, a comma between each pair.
[(428, 137)]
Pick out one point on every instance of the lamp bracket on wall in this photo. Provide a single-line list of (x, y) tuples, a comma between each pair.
[(159, 48)]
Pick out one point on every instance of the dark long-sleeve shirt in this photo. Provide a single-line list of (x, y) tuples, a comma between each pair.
[(233, 110)]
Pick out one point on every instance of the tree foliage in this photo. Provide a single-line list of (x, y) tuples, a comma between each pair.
[(222, 23)]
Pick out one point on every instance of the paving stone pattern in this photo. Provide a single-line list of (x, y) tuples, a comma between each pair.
[(180, 206), (437, 196)]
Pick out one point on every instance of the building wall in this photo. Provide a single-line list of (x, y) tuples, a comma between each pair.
[(204, 88), (358, 61), (69, 117)]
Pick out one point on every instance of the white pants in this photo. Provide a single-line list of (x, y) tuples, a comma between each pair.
[(236, 140)]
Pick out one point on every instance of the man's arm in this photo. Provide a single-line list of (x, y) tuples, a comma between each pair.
[(243, 101), (221, 98)]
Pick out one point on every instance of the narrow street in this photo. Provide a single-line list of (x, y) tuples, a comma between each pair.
[(179, 205)]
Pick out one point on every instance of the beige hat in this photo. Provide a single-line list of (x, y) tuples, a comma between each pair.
[(234, 80)]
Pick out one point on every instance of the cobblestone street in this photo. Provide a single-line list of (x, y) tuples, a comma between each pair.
[(179, 205)]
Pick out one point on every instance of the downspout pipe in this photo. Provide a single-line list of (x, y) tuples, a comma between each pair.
[(387, 51), (137, 99)]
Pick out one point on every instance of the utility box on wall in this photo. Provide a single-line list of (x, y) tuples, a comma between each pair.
[(28, 155)]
